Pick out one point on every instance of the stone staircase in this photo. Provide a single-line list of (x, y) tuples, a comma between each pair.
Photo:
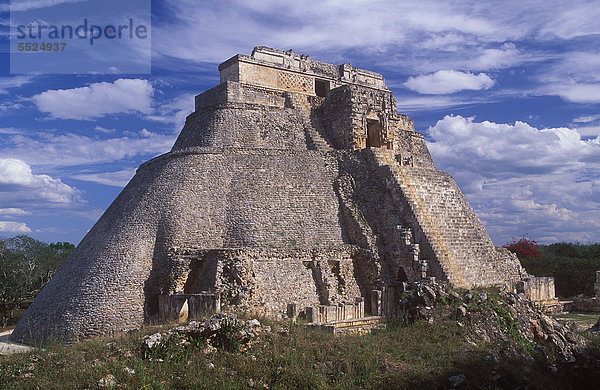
[(315, 140), (353, 326), (450, 226), (313, 128)]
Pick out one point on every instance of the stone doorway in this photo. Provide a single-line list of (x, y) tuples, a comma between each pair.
[(374, 134), (321, 87), (401, 275), (203, 274)]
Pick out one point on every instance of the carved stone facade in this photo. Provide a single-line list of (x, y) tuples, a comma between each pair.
[(294, 182), (358, 112)]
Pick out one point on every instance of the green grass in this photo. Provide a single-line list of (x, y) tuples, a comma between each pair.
[(420, 355), (417, 356), (584, 319)]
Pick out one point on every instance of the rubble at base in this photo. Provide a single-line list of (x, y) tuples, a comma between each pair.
[(494, 315), (220, 331)]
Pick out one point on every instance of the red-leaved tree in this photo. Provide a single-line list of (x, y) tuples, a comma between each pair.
[(524, 247)]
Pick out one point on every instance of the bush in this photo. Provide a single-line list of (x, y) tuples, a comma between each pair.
[(573, 267), (524, 248), (26, 265)]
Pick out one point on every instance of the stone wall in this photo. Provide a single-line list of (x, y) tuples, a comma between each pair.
[(242, 125), (234, 92), (586, 305), (265, 280), (351, 112), (538, 289), (289, 71)]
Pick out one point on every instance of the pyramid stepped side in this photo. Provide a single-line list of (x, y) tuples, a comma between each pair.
[(233, 115), (458, 240)]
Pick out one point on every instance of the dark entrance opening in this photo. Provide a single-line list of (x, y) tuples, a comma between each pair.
[(152, 305), (321, 87), (203, 274), (401, 276), (373, 134)]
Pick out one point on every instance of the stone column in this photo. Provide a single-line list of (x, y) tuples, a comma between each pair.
[(376, 302), (359, 304), (312, 314), (292, 311)]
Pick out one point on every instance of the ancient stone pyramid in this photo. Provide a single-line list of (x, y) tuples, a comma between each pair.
[(293, 181)]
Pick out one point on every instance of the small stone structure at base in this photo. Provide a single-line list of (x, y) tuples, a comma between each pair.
[(181, 307), (585, 305), (341, 312), (538, 289)]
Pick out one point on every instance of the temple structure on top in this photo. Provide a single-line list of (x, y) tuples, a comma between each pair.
[(294, 182)]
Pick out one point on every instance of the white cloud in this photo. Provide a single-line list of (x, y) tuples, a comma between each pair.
[(14, 227), (9, 130), (97, 100), (588, 131), (576, 19), (9, 107), (586, 119), (506, 56), (447, 41), (115, 179), (104, 130), (174, 112), (316, 26), (13, 212), (464, 32), (407, 104), (48, 149), (448, 81), (575, 92), (587, 125), (506, 148), (13, 82), (20, 187), (581, 66), (575, 77), (521, 179)]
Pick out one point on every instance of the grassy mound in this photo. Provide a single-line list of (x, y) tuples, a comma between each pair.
[(483, 348)]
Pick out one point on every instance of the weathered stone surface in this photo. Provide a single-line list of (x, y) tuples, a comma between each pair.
[(294, 181), (456, 380), (219, 331)]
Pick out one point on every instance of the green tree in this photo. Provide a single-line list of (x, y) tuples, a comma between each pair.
[(573, 266), (26, 265)]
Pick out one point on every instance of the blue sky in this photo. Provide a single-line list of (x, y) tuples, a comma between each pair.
[(506, 92)]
